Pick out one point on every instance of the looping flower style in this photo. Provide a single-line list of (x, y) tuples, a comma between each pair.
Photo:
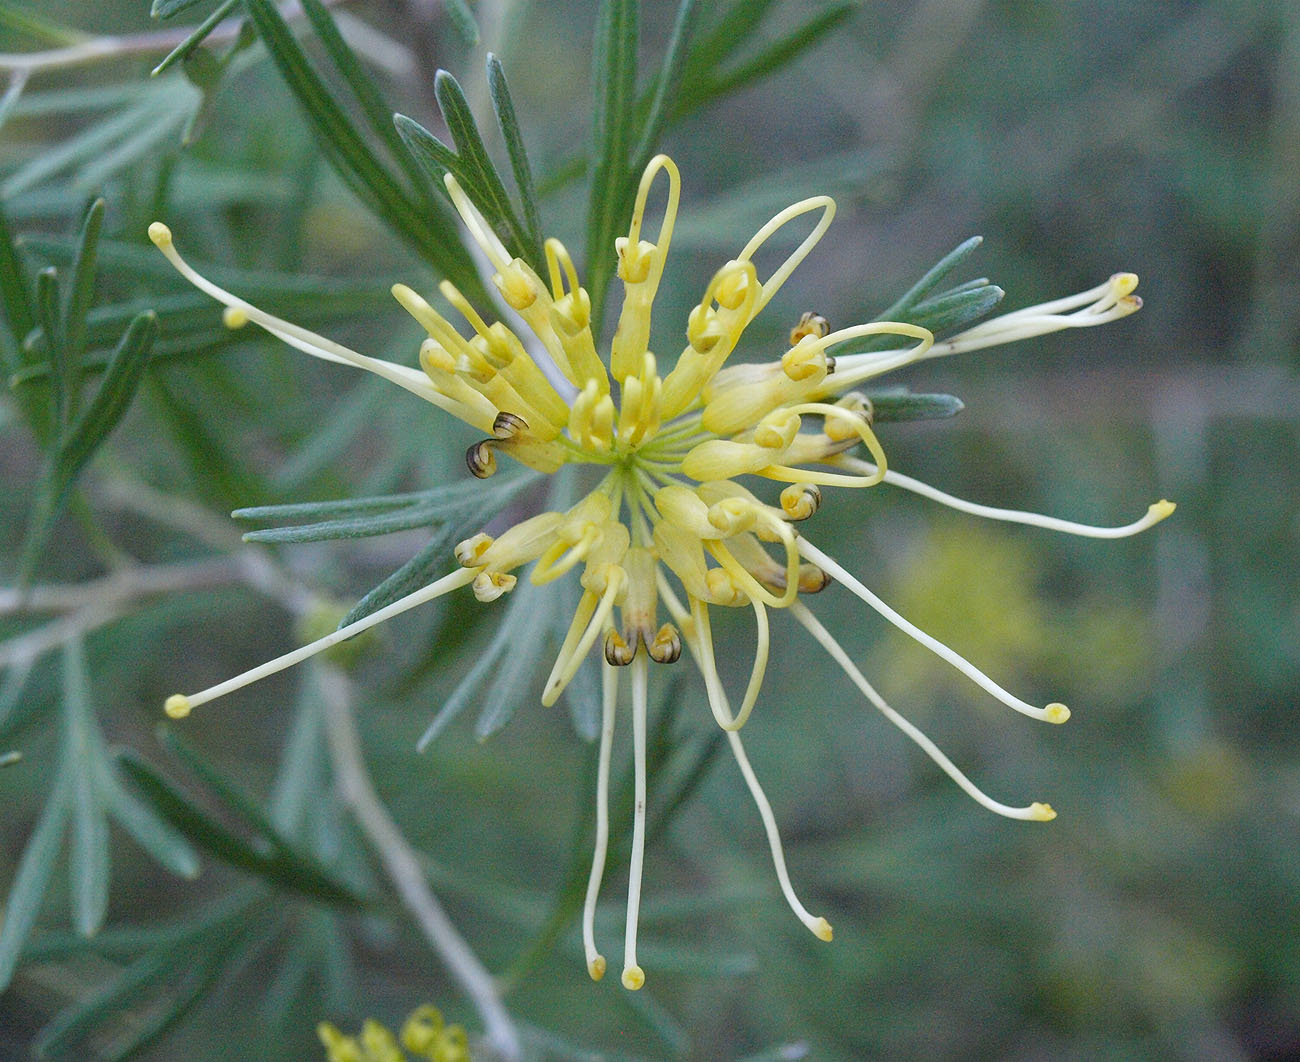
[(670, 527)]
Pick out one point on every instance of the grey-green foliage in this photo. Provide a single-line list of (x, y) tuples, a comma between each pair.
[(1157, 142), (471, 166), (74, 433), (86, 794), (305, 869), (396, 192)]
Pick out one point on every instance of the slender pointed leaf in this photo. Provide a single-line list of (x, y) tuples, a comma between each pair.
[(176, 808), (430, 232), (116, 392), (666, 83), (422, 568), (460, 16), (47, 308), (613, 80), (188, 962), (88, 863), (81, 293), (234, 798), (378, 113), (481, 180), (15, 291), (183, 50), (956, 309), (905, 406), (933, 277), (508, 121), (151, 833), (771, 59), (163, 9), (121, 380), (34, 870)]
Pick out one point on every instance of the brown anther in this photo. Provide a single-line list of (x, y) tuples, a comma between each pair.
[(800, 500), (810, 324), (667, 645), (812, 580), (617, 651), (857, 402), (830, 365), (481, 460), (508, 425)]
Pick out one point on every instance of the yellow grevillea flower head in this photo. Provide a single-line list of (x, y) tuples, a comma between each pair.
[(425, 1035), (684, 518)]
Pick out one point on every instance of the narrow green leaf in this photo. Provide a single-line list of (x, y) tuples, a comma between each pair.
[(88, 863), (514, 676), (22, 19), (450, 500), (34, 870), (420, 570), (240, 943), (666, 83), (780, 53), (15, 291), (216, 470), (513, 628), (736, 26), (276, 859), (176, 808), (234, 798), (508, 122), (151, 833), (427, 150), (178, 969), (47, 308), (378, 113), (116, 391), (81, 293), (956, 309), (613, 81), (933, 277), (481, 181), (902, 405), (380, 503), (430, 232), (358, 527), (433, 557), (462, 19), (183, 50), (163, 9), (281, 866), (13, 681)]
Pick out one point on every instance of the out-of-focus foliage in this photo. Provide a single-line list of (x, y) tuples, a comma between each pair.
[(1155, 918)]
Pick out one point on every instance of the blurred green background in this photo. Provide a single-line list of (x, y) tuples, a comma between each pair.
[(1157, 917)]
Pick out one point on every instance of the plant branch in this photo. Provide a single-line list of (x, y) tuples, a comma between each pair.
[(402, 864)]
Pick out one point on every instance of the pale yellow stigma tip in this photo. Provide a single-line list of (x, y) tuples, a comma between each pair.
[(822, 930), (177, 706), (1124, 283), (1056, 713), (596, 967), (160, 234), (1161, 509), (233, 317), (1041, 812), (633, 978)]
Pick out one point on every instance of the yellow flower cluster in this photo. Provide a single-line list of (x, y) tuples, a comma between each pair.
[(669, 524), (424, 1034)]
